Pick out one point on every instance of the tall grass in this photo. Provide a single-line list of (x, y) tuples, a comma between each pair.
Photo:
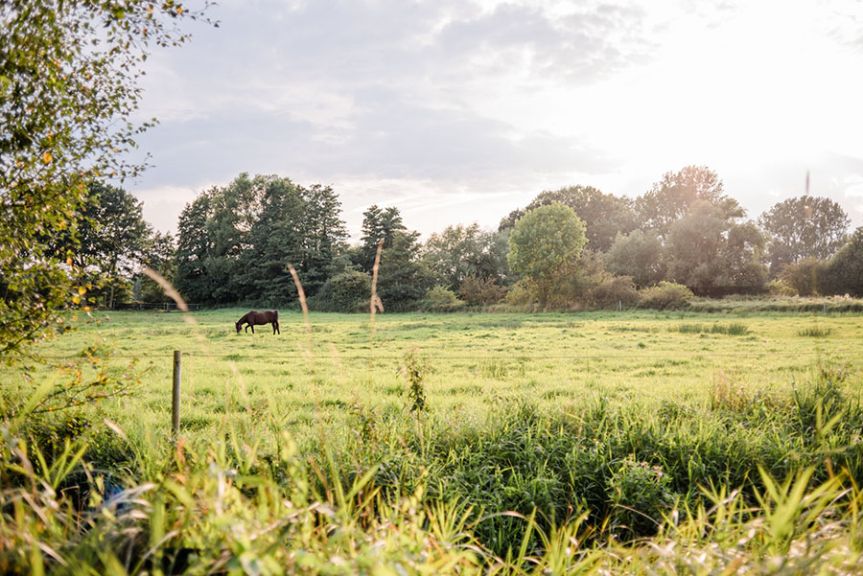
[(765, 484)]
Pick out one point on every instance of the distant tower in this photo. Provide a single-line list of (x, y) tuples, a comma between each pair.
[(807, 182)]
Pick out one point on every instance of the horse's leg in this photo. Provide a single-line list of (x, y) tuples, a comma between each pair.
[(276, 327), (253, 328)]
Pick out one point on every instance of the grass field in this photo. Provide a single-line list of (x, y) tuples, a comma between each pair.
[(538, 434), (307, 377)]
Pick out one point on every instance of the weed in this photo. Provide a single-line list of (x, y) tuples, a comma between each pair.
[(414, 369), (815, 332)]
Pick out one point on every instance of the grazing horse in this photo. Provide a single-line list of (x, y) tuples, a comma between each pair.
[(254, 318)]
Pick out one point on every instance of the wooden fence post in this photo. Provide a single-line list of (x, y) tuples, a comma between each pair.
[(175, 401)]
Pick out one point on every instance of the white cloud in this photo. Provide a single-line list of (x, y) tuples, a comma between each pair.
[(435, 106)]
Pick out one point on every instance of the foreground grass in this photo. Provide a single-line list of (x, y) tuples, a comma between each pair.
[(637, 443)]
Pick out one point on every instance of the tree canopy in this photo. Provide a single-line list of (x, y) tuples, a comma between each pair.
[(677, 193), (803, 227), (604, 215), (69, 76), (235, 242), (543, 242)]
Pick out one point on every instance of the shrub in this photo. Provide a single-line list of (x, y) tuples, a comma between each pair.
[(781, 288), (345, 292), (440, 299), (522, 293), (845, 269), (806, 276), (666, 296), (481, 291), (614, 292)]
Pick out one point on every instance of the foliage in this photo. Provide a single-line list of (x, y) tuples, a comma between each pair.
[(274, 240), (69, 76), (378, 224), (806, 277), (112, 237), (803, 227), (741, 257), (788, 305), (640, 494), (160, 255), (616, 292), (461, 252), (480, 292), (542, 244), (441, 299), (733, 329), (677, 193), (541, 433), (323, 236), (235, 242), (402, 279), (845, 269), (779, 287), (713, 255), (414, 369), (605, 215), (639, 255), (666, 296), (346, 292)]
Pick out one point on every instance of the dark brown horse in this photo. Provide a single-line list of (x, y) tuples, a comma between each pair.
[(254, 318)]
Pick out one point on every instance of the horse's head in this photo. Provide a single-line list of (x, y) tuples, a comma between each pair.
[(238, 326)]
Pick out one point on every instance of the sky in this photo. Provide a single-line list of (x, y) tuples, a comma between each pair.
[(460, 111)]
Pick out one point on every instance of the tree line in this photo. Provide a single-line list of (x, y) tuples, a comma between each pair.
[(573, 247)]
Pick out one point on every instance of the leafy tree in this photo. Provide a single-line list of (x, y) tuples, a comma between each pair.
[(403, 279), (638, 254), (741, 256), (803, 227), (236, 242), (194, 247), (460, 252), (378, 224), (276, 240), (542, 243), (323, 235), (160, 255), (806, 276), (68, 87), (677, 193), (113, 235), (845, 269), (713, 255), (605, 215)]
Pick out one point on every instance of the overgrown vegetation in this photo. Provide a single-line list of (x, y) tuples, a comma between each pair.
[(429, 460), (729, 484)]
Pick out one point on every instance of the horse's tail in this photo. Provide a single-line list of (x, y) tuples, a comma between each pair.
[(276, 315)]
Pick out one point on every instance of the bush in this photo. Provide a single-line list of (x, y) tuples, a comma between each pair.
[(481, 291), (806, 276), (845, 269), (345, 292), (666, 296), (440, 299), (614, 292), (781, 288), (522, 293)]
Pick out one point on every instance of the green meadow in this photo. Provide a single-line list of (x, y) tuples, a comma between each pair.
[(311, 374), (626, 442)]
